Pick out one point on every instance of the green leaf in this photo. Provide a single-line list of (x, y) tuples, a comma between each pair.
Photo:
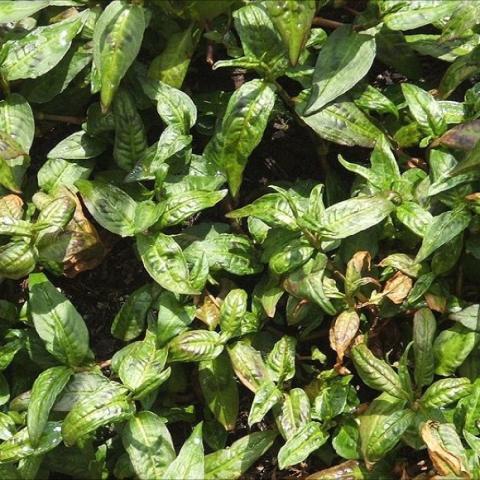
[(103, 200), (461, 69), (233, 253), (293, 413), (7, 354), (41, 49), (173, 317), (130, 137), (55, 81), (4, 390), (414, 217), (468, 317), (382, 426), (11, 157), (353, 216), (16, 119), (305, 441), (376, 373), (346, 442), (78, 146), (141, 367), (180, 207), (220, 390), (423, 283), (293, 21), (152, 163), (57, 172), (172, 64), (280, 362), (57, 213), (342, 122), (446, 391), (384, 169), (308, 283), (393, 50), (189, 464), (175, 107), (19, 446), (470, 405), (106, 405), (452, 347), (81, 385), (164, 261), (409, 17), (57, 322), (241, 130), (232, 312), (424, 326), (384, 164), (262, 45), (17, 259), (248, 365), (147, 214), (10, 149), (12, 226), (470, 163), (46, 388), (148, 444), (15, 10), (272, 208), (7, 427), (195, 346), (200, 10), (230, 463), (442, 229), (425, 109), (130, 320), (372, 99), (98, 122), (333, 400), (342, 62), (117, 38), (289, 255), (266, 397)]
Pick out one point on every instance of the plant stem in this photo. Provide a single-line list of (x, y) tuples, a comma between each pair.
[(59, 118), (351, 10), (325, 22), (105, 363)]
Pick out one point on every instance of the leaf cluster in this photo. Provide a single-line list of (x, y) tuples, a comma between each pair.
[(325, 326)]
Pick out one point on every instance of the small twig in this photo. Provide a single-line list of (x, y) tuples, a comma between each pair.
[(59, 118), (288, 100), (105, 363), (325, 22), (210, 54), (238, 77), (212, 298), (351, 10)]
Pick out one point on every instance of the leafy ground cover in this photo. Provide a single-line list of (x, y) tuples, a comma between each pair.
[(239, 239)]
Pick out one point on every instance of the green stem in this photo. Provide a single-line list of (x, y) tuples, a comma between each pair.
[(59, 118)]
